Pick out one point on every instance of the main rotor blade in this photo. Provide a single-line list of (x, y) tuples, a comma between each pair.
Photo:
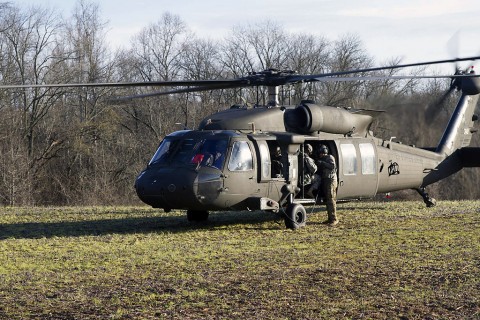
[(266, 78), (174, 83), (240, 84), (185, 90), (399, 77), (307, 78)]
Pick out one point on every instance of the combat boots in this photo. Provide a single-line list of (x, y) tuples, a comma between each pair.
[(332, 220), (332, 223)]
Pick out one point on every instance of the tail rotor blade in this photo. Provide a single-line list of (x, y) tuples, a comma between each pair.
[(433, 109)]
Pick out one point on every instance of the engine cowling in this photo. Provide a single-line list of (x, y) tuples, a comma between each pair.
[(308, 118)]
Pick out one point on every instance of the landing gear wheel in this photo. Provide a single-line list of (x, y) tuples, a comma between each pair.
[(197, 215), (430, 202), (295, 216)]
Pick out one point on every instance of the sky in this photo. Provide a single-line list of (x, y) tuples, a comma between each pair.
[(413, 30)]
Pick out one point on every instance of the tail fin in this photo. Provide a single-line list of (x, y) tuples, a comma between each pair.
[(458, 133)]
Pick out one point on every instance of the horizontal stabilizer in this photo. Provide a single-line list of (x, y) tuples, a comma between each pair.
[(470, 157)]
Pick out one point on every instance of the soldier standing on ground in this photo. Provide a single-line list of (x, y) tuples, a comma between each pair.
[(328, 173)]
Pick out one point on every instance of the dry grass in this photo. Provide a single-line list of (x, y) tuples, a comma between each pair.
[(385, 260)]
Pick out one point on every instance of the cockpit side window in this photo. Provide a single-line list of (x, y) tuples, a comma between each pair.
[(185, 150), (241, 158), (175, 151), (211, 154), (164, 151), (191, 152)]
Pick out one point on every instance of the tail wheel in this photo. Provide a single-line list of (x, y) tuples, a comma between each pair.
[(197, 215), (295, 216), (430, 202)]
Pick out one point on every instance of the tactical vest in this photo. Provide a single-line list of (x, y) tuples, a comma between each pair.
[(328, 170)]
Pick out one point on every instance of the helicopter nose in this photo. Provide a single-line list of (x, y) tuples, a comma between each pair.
[(167, 188)]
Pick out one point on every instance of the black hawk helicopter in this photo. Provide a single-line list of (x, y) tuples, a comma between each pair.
[(249, 158)]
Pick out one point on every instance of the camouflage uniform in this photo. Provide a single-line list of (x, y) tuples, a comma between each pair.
[(308, 166), (328, 173)]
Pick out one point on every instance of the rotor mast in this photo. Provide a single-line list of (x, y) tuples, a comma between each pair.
[(273, 96), (272, 79)]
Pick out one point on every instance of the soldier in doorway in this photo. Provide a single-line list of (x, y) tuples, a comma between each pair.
[(307, 165), (277, 165)]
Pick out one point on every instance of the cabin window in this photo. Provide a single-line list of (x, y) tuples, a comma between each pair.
[(241, 158), (349, 159), (368, 158)]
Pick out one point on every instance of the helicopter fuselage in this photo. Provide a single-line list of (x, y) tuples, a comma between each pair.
[(251, 158), (246, 176)]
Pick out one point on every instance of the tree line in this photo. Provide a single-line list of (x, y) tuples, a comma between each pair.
[(74, 146)]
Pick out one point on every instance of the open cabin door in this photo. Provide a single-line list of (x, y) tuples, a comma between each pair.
[(271, 168)]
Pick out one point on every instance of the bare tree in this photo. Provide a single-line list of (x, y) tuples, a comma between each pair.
[(29, 42), (92, 136), (307, 55), (89, 59), (347, 53), (201, 61), (156, 54), (251, 49), (158, 48)]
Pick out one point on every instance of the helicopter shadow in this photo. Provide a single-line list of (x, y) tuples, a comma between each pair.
[(175, 224)]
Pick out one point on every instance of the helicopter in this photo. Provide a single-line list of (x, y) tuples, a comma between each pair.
[(250, 158)]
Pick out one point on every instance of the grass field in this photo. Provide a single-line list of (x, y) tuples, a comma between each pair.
[(385, 260)]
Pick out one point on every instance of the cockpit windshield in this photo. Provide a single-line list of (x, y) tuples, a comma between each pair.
[(176, 151)]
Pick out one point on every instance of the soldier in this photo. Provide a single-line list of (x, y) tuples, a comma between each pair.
[(215, 154), (328, 173), (308, 166), (277, 165)]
